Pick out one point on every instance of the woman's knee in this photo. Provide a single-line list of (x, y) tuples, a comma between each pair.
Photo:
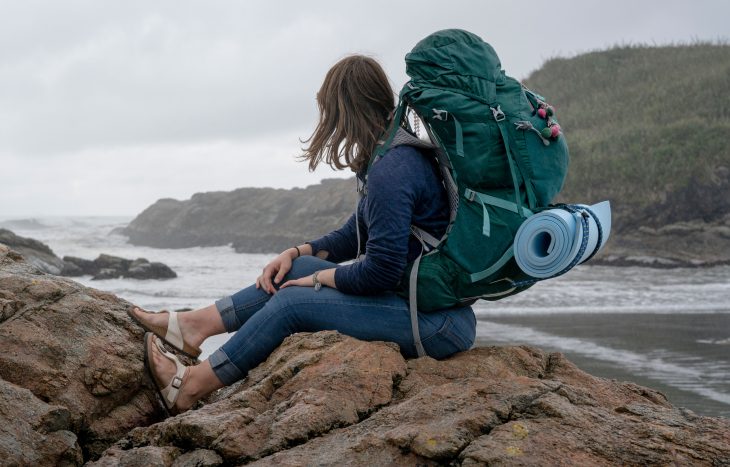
[(285, 309)]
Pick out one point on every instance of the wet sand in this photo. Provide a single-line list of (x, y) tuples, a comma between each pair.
[(685, 356)]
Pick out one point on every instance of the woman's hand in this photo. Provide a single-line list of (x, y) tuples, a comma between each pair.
[(276, 270), (326, 277)]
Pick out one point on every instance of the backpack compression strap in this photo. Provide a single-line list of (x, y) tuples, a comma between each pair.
[(514, 166), (413, 296)]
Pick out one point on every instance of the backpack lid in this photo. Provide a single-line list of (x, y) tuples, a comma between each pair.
[(445, 57)]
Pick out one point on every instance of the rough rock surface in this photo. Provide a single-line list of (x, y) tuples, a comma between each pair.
[(327, 399), (33, 432), (71, 369), (73, 389)]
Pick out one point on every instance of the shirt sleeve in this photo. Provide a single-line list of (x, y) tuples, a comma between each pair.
[(390, 206), (341, 244)]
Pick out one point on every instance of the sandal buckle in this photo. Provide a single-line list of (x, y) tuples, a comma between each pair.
[(176, 382)]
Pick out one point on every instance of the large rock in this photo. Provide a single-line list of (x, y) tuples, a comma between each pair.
[(73, 388), (33, 432), (104, 266), (71, 368), (37, 253), (246, 217), (327, 399)]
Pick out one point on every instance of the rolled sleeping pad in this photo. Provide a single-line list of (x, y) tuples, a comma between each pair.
[(548, 242)]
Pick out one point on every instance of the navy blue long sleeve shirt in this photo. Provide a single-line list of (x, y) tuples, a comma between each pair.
[(403, 189)]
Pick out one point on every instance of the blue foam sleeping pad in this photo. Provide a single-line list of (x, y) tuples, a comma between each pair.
[(549, 241)]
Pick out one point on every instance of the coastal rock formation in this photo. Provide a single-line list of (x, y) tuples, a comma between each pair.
[(71, 370), (327, 399), (37, 253), (170, 223), (253, 220), (112, 267), (103, 267)]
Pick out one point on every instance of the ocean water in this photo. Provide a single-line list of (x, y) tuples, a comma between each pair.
[(667, 329)]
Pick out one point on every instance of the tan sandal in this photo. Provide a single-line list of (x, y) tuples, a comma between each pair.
[(168, 392), (172, 335)]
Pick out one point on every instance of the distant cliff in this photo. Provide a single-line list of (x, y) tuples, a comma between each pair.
[(254, 220), (648, 129)]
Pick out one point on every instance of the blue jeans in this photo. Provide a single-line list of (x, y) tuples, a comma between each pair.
[(262, 321)]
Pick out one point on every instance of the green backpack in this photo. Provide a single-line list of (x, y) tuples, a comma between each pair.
[(502, 157)]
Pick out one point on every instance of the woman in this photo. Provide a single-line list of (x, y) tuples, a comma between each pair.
[(304, 289)]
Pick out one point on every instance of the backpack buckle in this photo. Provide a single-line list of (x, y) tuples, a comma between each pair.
[(439, 114), (497, 113)]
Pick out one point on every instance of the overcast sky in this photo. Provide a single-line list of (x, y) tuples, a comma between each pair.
[(107, 106)]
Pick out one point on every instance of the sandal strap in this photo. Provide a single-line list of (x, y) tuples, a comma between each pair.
[(174, 334), (172, 390)]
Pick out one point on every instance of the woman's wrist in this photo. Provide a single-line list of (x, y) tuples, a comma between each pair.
[(327, 277), (300, 250)]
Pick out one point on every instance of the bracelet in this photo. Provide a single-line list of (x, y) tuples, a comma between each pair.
[(315, 281), (299, 252)]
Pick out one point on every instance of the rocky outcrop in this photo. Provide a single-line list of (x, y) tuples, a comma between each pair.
[(253, 220), (38, 253), (112, 267), (103, 267), (73, 389), (71, 370), (685, 244), (33, 432), (327, 399)]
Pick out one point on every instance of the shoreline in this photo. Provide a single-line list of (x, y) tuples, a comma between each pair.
[(682, 355)]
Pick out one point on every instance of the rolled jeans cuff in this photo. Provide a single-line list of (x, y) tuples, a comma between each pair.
[(223, 368), (228, 313)]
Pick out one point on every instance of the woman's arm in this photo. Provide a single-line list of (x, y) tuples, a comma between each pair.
[(326, 277), (277, 268), (394, 186), (339, 245)]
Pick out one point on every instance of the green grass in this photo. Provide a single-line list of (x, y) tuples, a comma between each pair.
[(643, 123)]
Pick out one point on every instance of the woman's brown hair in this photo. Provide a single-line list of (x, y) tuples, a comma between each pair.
[(355, 102)]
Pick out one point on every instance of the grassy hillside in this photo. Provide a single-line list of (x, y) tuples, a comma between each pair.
[(648, 128)]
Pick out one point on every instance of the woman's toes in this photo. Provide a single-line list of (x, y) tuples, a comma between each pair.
[(165, 368)]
